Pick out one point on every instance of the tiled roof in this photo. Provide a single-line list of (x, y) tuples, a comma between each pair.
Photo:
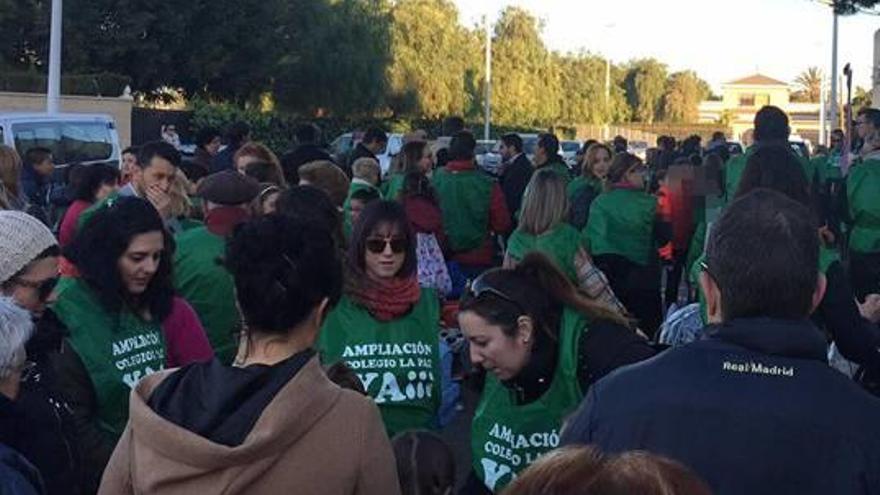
[(757, 80)]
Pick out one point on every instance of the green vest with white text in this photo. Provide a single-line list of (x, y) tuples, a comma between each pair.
[(397, 361)]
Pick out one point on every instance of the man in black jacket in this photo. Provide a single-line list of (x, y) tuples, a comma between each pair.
[(308, 149), (753, 407), (373, 143), (517, 171)]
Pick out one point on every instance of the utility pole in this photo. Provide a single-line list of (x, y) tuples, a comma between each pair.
[(487, 126), (835, 120), (822, 102), (53, 95)]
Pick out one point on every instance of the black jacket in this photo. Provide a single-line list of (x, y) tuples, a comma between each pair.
[(752, 408), (305, 153), (360, 151), (17, 475), (39, 423), (514, 180), (224, 160)]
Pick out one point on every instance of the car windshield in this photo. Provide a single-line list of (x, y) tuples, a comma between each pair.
[(68, 141), (529, 145), (570, 146)]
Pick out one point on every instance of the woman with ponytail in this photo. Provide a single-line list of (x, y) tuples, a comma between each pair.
[(543, 342)]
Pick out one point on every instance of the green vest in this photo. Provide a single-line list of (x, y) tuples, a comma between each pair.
[(392, 186), (117, 350), (208, 287), (346, 207), (735, 167), (828, 167), (560, 243), (863, 193), (397, 361), (581, 182), (465, 197), (622, 222), (559, 167), (505, 437)]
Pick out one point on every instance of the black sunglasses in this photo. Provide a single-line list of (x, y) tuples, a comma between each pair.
[(377, 246), (479, 286), (43, 288)]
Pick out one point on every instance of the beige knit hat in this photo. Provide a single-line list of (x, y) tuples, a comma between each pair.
[(22, 239)]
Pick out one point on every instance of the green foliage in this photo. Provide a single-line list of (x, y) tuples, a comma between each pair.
[(645, 85), (847, 7), (684, 92), (809, 84), (435, 60)]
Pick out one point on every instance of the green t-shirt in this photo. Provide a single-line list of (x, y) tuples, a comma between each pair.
[(622, 222), (116, 349), (863, 194), (201, 279), (392, 186), (397, 361), (560, 244), (465, 198), (506, 437)]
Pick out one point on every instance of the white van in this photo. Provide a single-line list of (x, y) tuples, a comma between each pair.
[(72, 137)]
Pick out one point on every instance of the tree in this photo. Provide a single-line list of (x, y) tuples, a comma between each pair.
[(434, 60), (525, 84), (645, 84), (809, 84), (847, 7), (334, 57), (684, 92), (861, 98)]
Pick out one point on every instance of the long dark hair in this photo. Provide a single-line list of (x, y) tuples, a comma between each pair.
[(86, 180), (416, 184), (96, 250), (537, 288), (374, 215)]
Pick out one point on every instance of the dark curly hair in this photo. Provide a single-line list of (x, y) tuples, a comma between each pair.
[(282, 269), (97, 248)]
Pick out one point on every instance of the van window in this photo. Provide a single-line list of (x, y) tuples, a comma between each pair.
[(69, 141)]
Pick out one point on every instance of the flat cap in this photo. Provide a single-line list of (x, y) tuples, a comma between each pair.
[(228, 188)]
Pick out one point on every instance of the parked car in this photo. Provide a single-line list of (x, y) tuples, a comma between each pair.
[(72, 137), (530, 143), (342, 146), (569, 151), (488, 156), (638, 148)]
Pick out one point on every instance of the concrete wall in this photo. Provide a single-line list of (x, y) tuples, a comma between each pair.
[(119, 108)]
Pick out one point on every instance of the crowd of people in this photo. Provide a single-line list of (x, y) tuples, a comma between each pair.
[(695, 322)]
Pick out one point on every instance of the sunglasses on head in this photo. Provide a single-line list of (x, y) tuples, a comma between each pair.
[(479, 286), (378, 246), (43, 288)]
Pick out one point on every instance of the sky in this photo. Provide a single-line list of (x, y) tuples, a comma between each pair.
[(722, 40)]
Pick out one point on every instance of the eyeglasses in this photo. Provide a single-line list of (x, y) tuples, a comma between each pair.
[(378, 246), (479, 286), (705, 268), (44, 288)]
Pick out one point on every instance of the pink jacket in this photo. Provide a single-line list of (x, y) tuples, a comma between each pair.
[(185, 339)]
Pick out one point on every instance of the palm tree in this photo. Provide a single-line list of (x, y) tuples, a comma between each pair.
[(810, 84)]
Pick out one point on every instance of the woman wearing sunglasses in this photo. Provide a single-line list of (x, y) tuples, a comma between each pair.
[(542, 342), (623, 233), (124, 320), (37, 423), (386, 327)]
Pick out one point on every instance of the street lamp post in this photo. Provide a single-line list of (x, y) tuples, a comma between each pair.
[(487, 125), (53, 95), (835, 121)]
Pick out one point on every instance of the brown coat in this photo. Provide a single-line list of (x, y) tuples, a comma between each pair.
[(313, 438)]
